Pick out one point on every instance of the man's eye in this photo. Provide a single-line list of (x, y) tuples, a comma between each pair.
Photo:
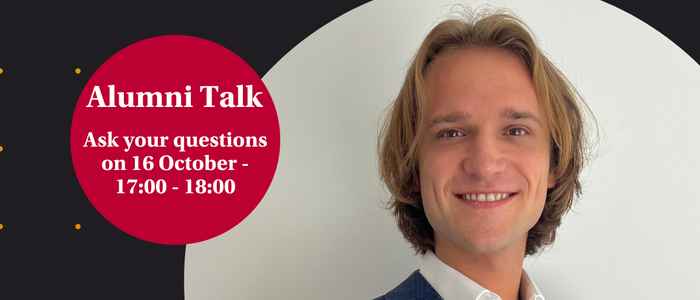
[(517, 131), (450, 133)]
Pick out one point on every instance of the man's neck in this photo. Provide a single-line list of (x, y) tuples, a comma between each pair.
[(499, 271)]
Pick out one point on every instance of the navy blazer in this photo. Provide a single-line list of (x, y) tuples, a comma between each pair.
[(415, 287)]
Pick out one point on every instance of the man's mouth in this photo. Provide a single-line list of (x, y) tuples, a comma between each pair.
[(485, 197)]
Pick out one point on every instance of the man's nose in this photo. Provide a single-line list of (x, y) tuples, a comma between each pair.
[(484, 158)]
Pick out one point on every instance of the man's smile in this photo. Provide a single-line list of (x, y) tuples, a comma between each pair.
[(486, 199)]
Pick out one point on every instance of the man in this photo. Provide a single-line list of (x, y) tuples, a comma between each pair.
[(481, 151)]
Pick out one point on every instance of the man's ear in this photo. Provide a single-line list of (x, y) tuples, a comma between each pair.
[(551, 180), (415, 186)]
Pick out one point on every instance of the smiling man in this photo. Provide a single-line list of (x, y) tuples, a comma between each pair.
[(481, 151)]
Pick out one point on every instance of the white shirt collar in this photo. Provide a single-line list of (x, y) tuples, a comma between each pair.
[(453, 285)]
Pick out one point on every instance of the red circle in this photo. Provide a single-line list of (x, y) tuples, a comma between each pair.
[(232, 157)]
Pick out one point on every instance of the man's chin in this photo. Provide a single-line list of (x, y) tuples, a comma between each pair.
[(489, 244)]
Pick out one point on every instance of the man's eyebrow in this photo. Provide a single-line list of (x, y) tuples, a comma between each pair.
[(508, 113), (450, 118), (513, 114)]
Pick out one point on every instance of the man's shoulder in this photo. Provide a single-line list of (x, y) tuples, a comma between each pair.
[(415, 287)]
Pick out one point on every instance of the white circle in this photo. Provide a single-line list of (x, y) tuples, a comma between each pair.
[(321, 231)]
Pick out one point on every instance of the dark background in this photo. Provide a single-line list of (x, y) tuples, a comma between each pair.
[(41, 254)]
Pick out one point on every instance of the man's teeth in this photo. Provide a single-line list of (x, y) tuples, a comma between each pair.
[(485, 197)]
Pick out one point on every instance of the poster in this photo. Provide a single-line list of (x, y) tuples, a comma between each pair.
[(228, 150)]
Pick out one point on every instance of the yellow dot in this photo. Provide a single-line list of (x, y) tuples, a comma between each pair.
[(2, 226), (77, 226), (2, 148), (1, 71), (77, 71)]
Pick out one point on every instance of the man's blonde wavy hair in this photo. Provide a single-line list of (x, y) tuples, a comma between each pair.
[(561, 103)]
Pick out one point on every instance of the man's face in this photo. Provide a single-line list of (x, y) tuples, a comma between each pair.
[(485, 138)]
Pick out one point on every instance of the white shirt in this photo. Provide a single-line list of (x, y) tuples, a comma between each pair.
[(453, 285)]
